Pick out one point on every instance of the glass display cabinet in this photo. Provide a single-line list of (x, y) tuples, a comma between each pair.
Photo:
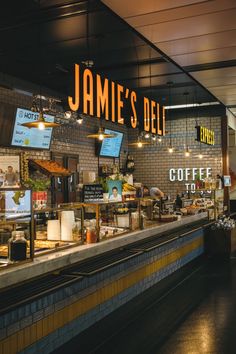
[(16, 227), (110, 219), (57, 228)]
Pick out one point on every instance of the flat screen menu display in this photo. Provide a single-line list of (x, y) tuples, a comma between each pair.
[(14, 204), (111, 147), (31, 138)]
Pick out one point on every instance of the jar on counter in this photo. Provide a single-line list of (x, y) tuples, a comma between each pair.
[(91, 235), (17, 247)]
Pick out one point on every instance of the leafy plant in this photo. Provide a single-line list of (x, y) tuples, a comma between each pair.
[(37, 185), (103, 182)]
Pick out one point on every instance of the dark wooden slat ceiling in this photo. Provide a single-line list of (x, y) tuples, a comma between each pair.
[(200, 36), (41, 41)]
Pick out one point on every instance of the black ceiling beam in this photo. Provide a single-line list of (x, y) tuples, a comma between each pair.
[(198, 112), (132, 63), (210, 66)]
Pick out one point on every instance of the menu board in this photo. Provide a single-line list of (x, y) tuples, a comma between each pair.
[(33, 137), (93, 193), (111, 147)]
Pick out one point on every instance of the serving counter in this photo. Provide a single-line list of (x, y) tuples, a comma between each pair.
[(51, 262)]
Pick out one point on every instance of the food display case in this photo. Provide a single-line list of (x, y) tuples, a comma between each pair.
[(210, 200), (57, 227), (16, 227), (110, 219)]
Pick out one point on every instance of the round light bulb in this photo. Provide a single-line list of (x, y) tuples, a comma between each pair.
[(100, 137), (147, 135), (140, 144), (160, 140), (170, 149), (41, 126), (187, 153), (200, 156), (80, 121)]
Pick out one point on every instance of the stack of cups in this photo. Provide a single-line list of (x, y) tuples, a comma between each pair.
[(54, 230), (67, 224)]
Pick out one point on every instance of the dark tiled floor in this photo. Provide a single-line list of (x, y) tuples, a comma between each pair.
[(192, 312)]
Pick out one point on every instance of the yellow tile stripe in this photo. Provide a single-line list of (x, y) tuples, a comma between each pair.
[(27, 336)]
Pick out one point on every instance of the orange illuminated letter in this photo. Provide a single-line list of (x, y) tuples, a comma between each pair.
[(133, 98), (146, 114), (102, 97), (120, 103), (88, 92), (74, 106), (153, 117)]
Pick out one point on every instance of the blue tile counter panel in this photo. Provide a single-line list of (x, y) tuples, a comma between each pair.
[(28, 314)]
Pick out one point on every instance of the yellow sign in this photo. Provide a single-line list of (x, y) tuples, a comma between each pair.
[(103, 98), (205, 135)]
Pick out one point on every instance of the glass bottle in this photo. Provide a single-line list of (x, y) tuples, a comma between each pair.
[(17, 247)]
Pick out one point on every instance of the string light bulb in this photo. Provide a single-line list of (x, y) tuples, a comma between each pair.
[(187, 152), (41, 126), (170, 149), (140, 144), (200, 156), (80, 121)]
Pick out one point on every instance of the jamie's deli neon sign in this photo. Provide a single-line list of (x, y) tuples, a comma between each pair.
[(103, 98)]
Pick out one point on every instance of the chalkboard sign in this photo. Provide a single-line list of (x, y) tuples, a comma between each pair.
[(93, 193)]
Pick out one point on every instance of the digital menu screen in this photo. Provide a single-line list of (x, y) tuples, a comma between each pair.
[(33, 137), (111, 147), (15, 204)]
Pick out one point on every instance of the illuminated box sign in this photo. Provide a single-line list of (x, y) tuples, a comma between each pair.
[(205, 135), (103, 98)]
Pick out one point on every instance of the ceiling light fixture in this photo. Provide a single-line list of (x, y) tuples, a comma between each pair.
[(101, 135), (139, 143), (154, 137), (67, 114), (40, 123), (79, 120)]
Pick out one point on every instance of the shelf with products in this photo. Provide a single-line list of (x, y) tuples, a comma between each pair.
[(16, 227)]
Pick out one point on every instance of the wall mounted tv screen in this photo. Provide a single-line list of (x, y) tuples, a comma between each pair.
[(30, 138), (111, 147)]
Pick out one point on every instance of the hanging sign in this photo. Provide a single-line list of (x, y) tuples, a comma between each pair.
[(205, 135), (103, 98)]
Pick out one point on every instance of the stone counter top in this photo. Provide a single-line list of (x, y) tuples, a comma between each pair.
[(59, 259)]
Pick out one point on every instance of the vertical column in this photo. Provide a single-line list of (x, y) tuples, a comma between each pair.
[(225, 156)]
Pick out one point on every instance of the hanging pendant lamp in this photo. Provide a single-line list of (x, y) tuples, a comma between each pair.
[(101, 135), (40, 123)]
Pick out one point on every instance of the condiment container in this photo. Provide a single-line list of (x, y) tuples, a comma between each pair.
[(17, 247), (91, 235)]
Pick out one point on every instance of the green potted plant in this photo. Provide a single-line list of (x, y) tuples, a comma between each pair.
[(103, 182), (39, 188)]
